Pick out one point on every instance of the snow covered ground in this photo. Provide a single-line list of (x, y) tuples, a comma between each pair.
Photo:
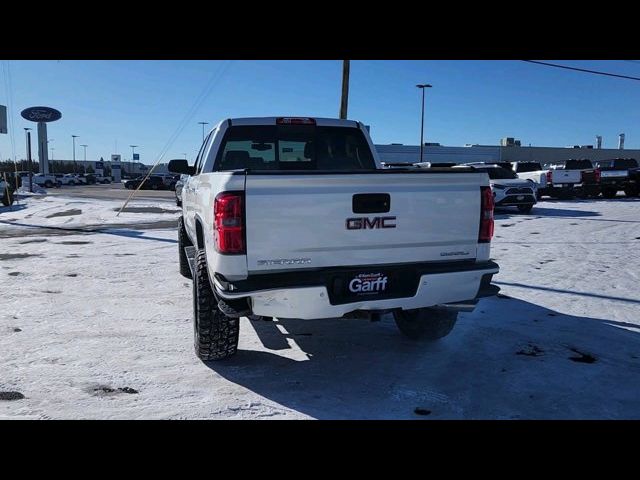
[(72, 212), (98, 325)]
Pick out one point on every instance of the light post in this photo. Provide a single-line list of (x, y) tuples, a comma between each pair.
[(84, 165), (28, 133), (52, 149), (132, 154), (74, 152), (422, 86), (203, 124), (185, 156)]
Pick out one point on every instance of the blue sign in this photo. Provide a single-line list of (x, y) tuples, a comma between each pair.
[(136, 156), (41, 114)]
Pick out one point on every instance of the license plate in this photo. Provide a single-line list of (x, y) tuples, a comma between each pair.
[(372, 284), (368, 284), (520, 197)]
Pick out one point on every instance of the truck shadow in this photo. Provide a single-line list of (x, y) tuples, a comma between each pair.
[(508, 359), (503, 213)]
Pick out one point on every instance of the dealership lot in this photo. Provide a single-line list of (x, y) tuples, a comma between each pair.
[(95, 322)]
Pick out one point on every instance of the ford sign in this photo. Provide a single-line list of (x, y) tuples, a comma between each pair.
[(41, 114)]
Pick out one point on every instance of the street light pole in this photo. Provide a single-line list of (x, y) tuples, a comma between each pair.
[(84, 166), (422, 86), (132, 154), (51, 159), (74, 152), (26, 130), (203, 124)]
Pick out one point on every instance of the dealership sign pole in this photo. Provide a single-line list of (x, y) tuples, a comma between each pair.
[(42, 115)]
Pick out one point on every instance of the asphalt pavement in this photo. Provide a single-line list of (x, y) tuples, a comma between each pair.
[(113, 191)]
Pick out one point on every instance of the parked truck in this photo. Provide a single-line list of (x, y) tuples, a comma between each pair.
[(575, 177), (296, 218), (533, 172), (619, 174)]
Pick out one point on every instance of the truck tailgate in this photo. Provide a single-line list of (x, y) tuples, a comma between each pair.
[(566, 176), (302, 221)]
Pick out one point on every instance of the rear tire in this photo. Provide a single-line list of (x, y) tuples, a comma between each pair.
[(609, 193), (48, 184), (183, 241), (215, 334), (525, 208), (631, 192), (425, 323)]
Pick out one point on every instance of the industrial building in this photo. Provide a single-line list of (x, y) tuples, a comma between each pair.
[(509, 150)]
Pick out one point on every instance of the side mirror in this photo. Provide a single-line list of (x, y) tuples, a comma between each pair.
[(181, 166)]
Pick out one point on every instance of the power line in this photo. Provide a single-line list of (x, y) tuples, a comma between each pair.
[(595, 72)]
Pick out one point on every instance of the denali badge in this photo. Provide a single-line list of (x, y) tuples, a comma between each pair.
[(364, 223), (368, 283)]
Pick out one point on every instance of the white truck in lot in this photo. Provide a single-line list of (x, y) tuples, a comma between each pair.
[(296, 218), (40, 179), (574, 177), (533, 172)]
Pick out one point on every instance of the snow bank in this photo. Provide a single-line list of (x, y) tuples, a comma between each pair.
[(37, 190)]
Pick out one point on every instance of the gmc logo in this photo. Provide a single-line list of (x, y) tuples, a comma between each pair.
[(364, 223)]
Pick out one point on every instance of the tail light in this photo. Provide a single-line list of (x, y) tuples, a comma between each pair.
[(549, 176), (486, 215), (295, 121), (228, 214)]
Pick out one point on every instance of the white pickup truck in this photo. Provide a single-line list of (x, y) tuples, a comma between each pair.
[(533, 172), (296, 218)]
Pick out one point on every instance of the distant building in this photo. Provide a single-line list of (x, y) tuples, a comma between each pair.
[(510, 150)]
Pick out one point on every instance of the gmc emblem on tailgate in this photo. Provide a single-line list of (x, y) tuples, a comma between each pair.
[(364, 223)]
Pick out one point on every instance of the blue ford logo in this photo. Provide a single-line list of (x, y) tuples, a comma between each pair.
[(41, 114)]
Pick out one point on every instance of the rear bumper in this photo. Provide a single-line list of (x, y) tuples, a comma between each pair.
[(294, 296), (512, 200)]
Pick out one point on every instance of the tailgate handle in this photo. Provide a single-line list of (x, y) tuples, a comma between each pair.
[(371, 203)]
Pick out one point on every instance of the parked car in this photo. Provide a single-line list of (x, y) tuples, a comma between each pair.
[(533, 172), (295, 217), (40, 179), (575, 177), (178, 189), (508, 190), (154, 182), (101, 179), (66, 179), (619, 174), (6, 193)]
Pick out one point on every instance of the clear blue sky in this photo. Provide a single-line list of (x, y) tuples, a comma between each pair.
[(143, 102)]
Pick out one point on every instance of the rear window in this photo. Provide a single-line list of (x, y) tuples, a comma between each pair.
[(625, 163), (578, 165), (498, 173), (294, 147), (528, 167)]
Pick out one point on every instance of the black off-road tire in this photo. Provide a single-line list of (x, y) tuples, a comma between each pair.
[(631, 191), (7, 197), (525, 208), (215, 334), (183, 241), (425, 323), (609, 193), (48, 184)]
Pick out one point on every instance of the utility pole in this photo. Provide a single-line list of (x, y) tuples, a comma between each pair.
[(203, 124), (74, 152), (345, 89), (422, 86)]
